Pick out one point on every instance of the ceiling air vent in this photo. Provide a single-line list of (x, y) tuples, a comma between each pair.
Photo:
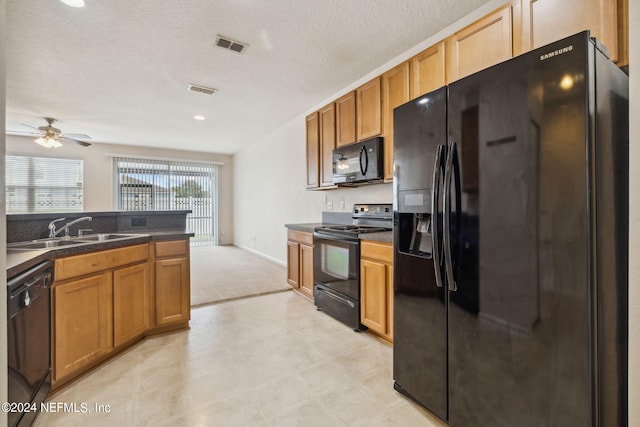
[(229, 44), (201, 89)]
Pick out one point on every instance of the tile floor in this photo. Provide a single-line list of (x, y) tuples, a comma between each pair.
[(271, 360)]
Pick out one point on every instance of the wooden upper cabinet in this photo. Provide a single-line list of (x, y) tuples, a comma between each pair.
[(482, 44), (327, 143), (346, 119), (369, 110), (428, 70), (623, 33), (313, 150), (545, 21), (395, 92)]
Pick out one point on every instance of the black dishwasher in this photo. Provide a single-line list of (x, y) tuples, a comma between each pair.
[(28, 343)]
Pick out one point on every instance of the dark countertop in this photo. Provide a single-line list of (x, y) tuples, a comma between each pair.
[(308, 227), (20, 260), (383, 236)]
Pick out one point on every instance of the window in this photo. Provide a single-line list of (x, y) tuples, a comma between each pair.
[(148, 184), (40, 185)]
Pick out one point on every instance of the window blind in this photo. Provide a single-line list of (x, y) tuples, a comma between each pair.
[(41, 184), (150, 184)]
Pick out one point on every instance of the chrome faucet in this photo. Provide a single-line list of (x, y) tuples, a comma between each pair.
[(52, 226)]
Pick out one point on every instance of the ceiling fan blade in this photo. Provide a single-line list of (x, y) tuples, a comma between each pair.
[(29, 126), (77, 135), (77, 141), (23, 132)]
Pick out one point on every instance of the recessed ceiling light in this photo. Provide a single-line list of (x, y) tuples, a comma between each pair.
[(199, 117), (73, 3)]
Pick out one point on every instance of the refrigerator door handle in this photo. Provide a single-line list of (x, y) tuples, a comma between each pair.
[(446, 201), (435, 191)]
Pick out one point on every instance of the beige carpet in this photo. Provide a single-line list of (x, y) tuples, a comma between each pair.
[(221, 273)]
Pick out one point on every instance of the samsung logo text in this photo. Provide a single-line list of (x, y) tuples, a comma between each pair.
[(556, 53)]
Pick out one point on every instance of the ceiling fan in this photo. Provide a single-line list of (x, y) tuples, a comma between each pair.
[(51, 137)]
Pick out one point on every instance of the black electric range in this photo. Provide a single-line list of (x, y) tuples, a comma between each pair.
[(336, 264)]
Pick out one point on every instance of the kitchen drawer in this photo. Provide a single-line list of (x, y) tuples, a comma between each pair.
[(171, 248), (79, 265), (300, 236), (377, 250)]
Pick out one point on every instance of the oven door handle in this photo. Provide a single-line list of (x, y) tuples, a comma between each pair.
[(337, 298)]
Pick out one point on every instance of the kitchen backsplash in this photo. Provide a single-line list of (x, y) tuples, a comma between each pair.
[(24, 227), (337, 217)]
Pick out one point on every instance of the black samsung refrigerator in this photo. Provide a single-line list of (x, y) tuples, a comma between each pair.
[(510, 242)]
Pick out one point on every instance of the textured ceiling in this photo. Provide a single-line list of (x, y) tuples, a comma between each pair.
[(118, 69)]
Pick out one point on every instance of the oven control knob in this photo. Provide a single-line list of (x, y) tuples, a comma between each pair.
[(27, 299)]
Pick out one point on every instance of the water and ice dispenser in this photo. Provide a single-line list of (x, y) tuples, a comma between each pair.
[(415, 223)]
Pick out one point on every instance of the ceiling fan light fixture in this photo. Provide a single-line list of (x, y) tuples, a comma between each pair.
[(48, 141), (73, 3)]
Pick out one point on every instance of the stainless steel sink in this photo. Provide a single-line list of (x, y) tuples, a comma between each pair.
[(70, 241), (103, 237), (43, 244)]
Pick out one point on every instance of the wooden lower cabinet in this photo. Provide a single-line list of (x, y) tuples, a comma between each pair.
[(172, 294), (306, 270), (97, 313), (82, 324), (376, 288), (172, 284), (293, 263), (130, 303), (300, 261)]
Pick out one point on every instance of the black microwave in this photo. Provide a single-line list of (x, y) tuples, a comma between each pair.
[(359, 163)]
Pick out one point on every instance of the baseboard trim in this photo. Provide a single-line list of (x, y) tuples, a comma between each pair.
[(261, 255)]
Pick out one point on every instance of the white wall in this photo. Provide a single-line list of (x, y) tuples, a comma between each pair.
[(634, 216), (98, 179), (269, 192)]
